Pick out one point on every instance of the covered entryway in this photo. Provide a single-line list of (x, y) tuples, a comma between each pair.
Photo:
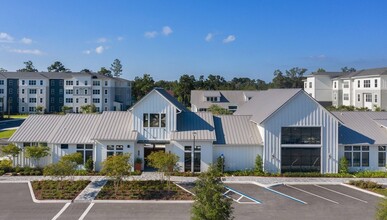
[(148, 149), (303, 159)]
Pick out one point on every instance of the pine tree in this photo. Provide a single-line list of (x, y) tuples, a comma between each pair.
[(116, 68)]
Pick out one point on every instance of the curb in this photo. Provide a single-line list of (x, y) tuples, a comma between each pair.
[(146, 201), (364, 190), (44, 201)]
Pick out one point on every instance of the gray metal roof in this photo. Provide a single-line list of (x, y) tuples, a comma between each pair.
[(115, 126), (227, 97), (362, 127), (189, 122), (265, 103), (330, 74), (171, 99), (37, 128), (77, 129), (236, 130), (54, 75), (365, 72)]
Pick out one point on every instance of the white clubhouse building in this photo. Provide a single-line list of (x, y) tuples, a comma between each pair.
[(287, 127)]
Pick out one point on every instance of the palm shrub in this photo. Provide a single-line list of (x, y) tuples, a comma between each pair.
[(210, 203), (343, 165), (258, 164)]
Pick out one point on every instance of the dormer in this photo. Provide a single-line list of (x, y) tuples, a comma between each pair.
[(211, 96), (247, 95)]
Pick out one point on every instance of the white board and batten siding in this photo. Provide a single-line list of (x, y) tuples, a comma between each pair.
[(206, 153), (237, 157), (22, 161), (100, 151), (301, 111), (154, 103)]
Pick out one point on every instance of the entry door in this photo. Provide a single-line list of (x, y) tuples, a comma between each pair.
[(367, 100), (300, 159)]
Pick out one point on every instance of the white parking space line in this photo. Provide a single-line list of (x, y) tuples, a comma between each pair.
[(254, 201), (343, 194), (318, 196), (86, 211), (61, 211)]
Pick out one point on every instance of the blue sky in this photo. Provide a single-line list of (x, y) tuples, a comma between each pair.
[(168, 38)]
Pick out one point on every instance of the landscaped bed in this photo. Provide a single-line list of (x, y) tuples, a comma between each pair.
[(369, 185), (143, 190), (50, 189)]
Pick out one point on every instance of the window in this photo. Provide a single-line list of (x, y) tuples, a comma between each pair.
[(106, 83), (376, 98), (357, 156), (305, 85), (32, 91), (334, 96), (60, 82), (105, 91), (368, 97), (1, 91), (232, 108), (310, 85), (1, 82), (69, 83), (76, 100), (106, 100), (86, 83), (69, 100), (85, 100), (22, 91), (358, 97), (85, 91), (96, 83), (22, 109), (382, 156), (154, 120), (41, 91), (52, 91), (145, 120), (52, 82), (335, 85), (41, 82), (52, 100), (358, 84), (86, 150), (32, 100), (95, 100), (77, 83), (32, 82), (114, 150), (96, 91), (69, 91), (301, 135), (77, 91), (163, 120), (60, 91), (346, 96), (346, 84), (64, 146), (212, 99), (376, 83), (367, 83), (23, 82), (188, 158), (41, 100), (23, 100), (32, 109)]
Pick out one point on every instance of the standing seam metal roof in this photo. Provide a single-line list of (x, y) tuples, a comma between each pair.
[(189, 122), (115, 126)]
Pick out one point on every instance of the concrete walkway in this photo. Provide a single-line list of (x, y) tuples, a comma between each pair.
[(91, 190)]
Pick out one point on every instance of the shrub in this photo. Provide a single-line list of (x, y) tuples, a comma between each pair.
[(117, 167), (343, 165), (164, 162), (381, 213), (37, 152), (220, 164), (60, 169), (6, 165), (365, 184), (81, 173), (371, 174), (89, 165), (258, 164), (2, 172), (11, 149), (76, 158)]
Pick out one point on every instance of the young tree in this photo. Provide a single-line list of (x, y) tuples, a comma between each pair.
[(66, 166), (217, 110), (11, 150), (39, 109), (343, 165), (28, 68), (105, 72), (88, 108), (36, 153), (258, 164), (164, 162), (117, 167), (210, 203), (116, 68), (57, 66)]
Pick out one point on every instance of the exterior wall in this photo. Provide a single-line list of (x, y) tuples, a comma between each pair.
[(3, 95), (237, 157), (206, 153), (12, 96), (154, 103), (101, 151), (56, 91), (301, 111), (373, 158), (22, 161)]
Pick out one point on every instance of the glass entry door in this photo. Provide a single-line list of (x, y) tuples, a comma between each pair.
[(300, 159)]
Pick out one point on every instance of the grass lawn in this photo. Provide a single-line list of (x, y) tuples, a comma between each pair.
[(50, 189), (143, 190), (7, 133), (369, 185), (15, 117)]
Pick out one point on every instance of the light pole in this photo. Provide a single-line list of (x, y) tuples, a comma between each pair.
[(192, 152)]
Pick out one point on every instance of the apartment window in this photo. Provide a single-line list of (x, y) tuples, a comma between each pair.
[(358, 97), (32, 91), (106, 92), (97, 109), (52, 83), (77, 91), (69, 83), (23, 109), (23, 100), (77, 83), (64, 146), (381, 156), (86, 83), (96, 91), (358, 84), (10, 82), (52, 100), (106, 100), (376, 98), (335, 85), (60, 82), (69, 100), (301, 135), (106, 108), (357, 156), (334, 96), (32, 109), (1, 82), (212, 99), (367, 83), (114, 150), (60, 100), (23, 82), (1, 91), (41, 100), (106, 83), (96, 83), (32, 82), (76, 100), (346, 85), (85, 91), (60, 91), (32, 100), (95, 100), (69, 91), (346, 96), (85, 100), (41, 82), (368, 97), (52, 91), (86, 150), (41, 91), (305, 85), (22, 91), (376, 83), (310, 85)]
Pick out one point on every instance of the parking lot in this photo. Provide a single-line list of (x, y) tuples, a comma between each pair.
[(294, 201)]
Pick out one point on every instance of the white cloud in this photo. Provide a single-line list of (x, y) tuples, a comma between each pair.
[(87, 52), (229, 39), (25, 40), (120, 38), (21, 51), (318, 57), (102, 40), (167, 30), (150, 34), (6, 38), (99, 49), (209, 37)]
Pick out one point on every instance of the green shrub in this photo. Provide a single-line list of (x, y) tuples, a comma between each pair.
[(6, 165), (371, 174), (89, 165), (2, 172), (258, 164), (220, 164), (365, 184), (81, 173), (381, 213), (343, 165)]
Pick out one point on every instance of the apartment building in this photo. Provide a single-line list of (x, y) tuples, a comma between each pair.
[(23, 92), (362, 89)]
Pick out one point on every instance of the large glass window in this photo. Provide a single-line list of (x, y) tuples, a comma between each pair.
[(357, 156), (114, 150), (301, 135), (86, 150), (300, 159), (163, 120), (382, 156), (188, 158), (146, 120), (154, 120)]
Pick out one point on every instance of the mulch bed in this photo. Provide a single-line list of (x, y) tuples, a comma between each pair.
[(143, 190), (66, 189)]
